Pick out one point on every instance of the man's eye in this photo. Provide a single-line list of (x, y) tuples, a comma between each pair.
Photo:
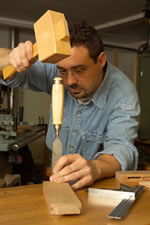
[(79, 71), (62, 72)]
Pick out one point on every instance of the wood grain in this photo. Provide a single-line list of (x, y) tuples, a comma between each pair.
[(145, 183), (61, 199)]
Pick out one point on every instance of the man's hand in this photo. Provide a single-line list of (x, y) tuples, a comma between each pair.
[(81, 172), (20, 56), (74, 167)]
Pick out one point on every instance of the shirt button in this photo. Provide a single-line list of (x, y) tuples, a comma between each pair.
[(74, 130), (71, 148), (78, 113)]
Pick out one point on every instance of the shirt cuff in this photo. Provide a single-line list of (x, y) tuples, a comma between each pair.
[(128, 158)]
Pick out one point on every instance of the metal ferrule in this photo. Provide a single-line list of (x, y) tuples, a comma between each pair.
[(58, 80), (57, 129)]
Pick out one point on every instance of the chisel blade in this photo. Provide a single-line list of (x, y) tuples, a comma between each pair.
[(57, 151)]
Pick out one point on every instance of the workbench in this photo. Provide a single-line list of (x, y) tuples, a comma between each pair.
[(24, 205), (14, 152), (23, 139)]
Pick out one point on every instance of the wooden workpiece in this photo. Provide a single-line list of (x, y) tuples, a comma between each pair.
[(61, 199), (145, 183), (132, 176), (52, 40)]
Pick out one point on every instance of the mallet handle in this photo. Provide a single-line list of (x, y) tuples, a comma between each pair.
[(9, 70)]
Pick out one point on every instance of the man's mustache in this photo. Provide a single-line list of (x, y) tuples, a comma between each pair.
[(74, 86)]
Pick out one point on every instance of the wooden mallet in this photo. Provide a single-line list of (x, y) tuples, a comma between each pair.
[(52, 41)]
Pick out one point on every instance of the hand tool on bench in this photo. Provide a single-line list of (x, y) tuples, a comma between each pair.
[(126, 196), (121, 210), (52, 40), (57, 113)]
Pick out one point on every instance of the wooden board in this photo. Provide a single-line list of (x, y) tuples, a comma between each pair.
[(145, 183), (132, 176), (61, 199)]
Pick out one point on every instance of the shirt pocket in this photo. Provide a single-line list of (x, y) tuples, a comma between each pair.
[(92, 142)]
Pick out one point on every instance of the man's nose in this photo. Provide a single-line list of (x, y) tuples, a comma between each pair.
[(71, 79)]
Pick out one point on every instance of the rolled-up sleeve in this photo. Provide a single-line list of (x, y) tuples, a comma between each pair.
[(122, 129), (38, 77)]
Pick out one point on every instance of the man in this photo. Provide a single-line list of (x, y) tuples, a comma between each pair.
[(101, 107)]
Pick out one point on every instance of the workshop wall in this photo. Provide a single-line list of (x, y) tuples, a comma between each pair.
[(4, 37), (125, 60)]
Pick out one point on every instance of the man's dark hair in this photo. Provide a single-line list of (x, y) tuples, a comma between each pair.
[(84, 34)]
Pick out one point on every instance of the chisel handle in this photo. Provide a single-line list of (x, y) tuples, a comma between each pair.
[(57, 101)]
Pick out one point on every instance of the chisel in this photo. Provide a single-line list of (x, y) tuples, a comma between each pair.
[(57, 113)]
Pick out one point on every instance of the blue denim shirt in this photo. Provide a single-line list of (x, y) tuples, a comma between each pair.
[(105, 124)]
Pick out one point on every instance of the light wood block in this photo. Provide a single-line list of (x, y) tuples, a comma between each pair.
[(52, 37), (132, 176), (145, 183), (61, 199)]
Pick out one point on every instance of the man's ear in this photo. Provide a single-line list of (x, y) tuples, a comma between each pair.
[(102, 59)]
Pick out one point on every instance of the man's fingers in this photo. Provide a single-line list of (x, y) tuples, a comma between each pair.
[(84, 181), (20, 56), (29, 49), (69, 177), (25, 50), (64, 161), (73, 168)]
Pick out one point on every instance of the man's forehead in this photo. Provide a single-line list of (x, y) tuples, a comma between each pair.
[(72, 67), (79, 57)]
